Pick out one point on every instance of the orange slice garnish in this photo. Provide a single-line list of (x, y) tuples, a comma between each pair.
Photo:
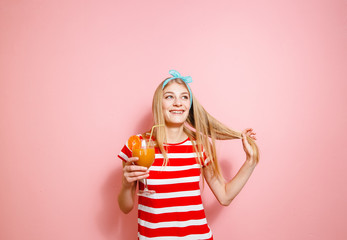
[(134, 142)]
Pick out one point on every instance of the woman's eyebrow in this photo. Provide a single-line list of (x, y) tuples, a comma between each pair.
[(174, 93)]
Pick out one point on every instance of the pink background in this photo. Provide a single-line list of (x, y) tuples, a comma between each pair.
[(77, 79)]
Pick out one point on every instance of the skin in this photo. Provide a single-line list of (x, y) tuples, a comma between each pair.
[(176, 98), (226, 191)]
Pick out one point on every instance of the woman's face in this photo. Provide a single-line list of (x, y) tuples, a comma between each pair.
[(176, 104)]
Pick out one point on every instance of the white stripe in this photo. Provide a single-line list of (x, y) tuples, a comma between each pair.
[(123, 156), (192, 193), (189, 237), (170, 209), (186, 143), (177, 155), (173, 168), (173, 180), (195, 222)]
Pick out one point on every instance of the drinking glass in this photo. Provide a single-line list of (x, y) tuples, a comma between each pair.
[(146, 155)]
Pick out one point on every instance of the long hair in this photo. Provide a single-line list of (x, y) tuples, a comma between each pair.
[(200, 126)]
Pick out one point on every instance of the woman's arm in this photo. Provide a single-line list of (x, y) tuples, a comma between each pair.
[(224, 191), (131, 173)]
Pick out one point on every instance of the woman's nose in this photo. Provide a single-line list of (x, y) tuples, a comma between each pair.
[(177, 102)]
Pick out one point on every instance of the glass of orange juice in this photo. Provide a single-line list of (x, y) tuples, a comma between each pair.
[(146, 155)]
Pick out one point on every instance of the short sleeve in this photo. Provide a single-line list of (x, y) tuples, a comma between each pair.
[(125, 153)]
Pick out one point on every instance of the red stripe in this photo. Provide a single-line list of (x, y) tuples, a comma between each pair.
[(179, 149), (173, 231), (170, 202), (167, 217), (175, 162), (174, 174), (178, 187)]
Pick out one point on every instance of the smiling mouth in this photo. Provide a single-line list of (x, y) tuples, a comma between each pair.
[(177, 111)]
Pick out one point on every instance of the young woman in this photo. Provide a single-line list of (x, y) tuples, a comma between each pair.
[(185, 150)]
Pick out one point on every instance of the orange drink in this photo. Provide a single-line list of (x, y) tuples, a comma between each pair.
[(146, 156), (144, 150)]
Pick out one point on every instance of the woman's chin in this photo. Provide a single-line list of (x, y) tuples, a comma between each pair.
[(174, 123)]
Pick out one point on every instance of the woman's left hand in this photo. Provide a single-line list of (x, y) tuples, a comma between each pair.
[(246, 146)]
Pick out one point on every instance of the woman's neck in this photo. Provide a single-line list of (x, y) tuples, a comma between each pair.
[(175, 134)]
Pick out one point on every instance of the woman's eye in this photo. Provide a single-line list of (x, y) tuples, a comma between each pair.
[(168, 97), (185, 97)]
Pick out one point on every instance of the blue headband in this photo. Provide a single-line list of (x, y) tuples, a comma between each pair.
[(186, 80)]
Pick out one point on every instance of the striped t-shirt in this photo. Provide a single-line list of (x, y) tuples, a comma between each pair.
[(175, 211)]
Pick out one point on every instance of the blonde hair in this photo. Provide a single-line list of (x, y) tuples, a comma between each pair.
[(200, 127)]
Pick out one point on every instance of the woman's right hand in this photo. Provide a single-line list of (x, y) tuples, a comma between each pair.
[(132, 172)]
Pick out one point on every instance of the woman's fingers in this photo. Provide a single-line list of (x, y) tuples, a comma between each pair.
[(134, 176), (132, 160), (134, 168), (249, 132), (134, 172)]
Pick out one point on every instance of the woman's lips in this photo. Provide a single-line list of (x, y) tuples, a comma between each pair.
[(177, 111)]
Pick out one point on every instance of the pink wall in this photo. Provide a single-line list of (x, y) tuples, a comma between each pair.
[(72, 80)]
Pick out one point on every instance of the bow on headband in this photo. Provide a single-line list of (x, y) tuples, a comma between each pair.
[(186, 80)]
